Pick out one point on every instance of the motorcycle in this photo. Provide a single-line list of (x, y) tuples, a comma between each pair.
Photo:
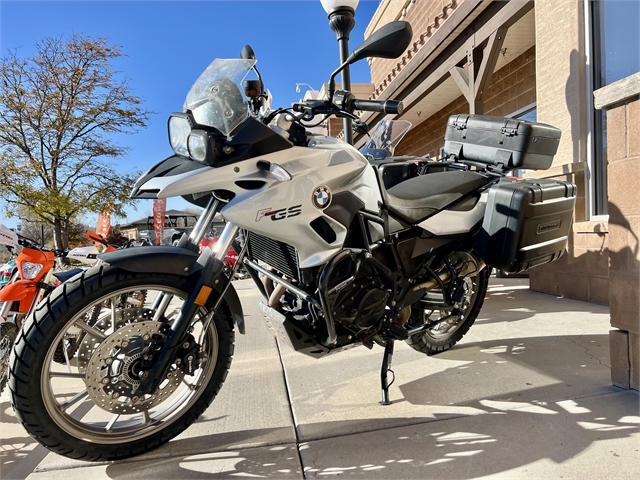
[(9, 270), (35, 281), (37, 278), (345, 260)]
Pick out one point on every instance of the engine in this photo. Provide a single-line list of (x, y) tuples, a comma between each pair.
[(358, 304), (361, 306)]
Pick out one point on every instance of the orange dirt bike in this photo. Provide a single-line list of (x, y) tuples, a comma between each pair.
[(35, 281)]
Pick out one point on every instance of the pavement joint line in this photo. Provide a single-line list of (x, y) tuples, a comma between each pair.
[(204, 451), (293, 416)]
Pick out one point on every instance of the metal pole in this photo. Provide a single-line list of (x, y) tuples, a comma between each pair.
[(346, 85), (341, 21)]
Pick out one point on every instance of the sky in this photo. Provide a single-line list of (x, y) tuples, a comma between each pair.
[(169, 43)]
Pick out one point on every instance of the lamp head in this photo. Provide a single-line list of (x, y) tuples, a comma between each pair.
[(331, 5)]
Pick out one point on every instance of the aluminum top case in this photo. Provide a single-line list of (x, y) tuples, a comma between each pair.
[(527, 223), (501, 144)]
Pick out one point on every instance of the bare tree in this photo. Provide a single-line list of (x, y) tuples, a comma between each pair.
[(59, 110)]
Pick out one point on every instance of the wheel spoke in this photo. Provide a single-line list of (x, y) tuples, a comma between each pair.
[(113, 420), (147, 417), (113, 313), (66, 375), (164, 303), (66, 355), (76, 398), (189, 386), (97, 334)]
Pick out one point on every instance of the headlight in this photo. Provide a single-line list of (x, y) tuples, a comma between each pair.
[(198, 145), (31, 270), (179, 128)]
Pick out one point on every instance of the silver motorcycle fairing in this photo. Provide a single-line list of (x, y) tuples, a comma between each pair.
[(331, 164)]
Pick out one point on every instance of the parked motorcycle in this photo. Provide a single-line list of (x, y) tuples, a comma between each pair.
[(347, 261), (9, 270), (36, 280)]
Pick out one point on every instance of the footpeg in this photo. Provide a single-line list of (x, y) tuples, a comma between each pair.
[(396, 331)]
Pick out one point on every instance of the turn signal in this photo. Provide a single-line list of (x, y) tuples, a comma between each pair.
[(203, 296)]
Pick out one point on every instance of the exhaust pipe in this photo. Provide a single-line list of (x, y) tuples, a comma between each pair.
[(472, 265)]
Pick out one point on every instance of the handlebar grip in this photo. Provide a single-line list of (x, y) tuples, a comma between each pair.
[(385, 106)]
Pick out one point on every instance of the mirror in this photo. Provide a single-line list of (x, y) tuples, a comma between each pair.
[(389, 41), (247, 53)]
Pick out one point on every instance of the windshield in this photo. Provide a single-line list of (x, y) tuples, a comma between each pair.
[(217, 98), (385, 136)]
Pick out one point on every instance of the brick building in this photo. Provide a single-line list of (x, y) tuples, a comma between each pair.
[(573, 64)]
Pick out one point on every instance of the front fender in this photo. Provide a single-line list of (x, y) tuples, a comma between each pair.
[(157, 259), (171, 260), (23, 291)]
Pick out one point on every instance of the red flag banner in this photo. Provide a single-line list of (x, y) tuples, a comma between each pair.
[(159, 211), (104, 223)]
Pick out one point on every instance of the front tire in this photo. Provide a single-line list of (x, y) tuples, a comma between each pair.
[(88, 409), (446, 334)]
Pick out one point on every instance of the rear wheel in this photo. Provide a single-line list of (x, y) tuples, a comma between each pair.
[(446, 334), (88, 407)]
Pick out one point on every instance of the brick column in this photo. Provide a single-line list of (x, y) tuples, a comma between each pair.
[(622, 102)]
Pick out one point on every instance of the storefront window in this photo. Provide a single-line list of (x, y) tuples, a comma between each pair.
[(615, 34)]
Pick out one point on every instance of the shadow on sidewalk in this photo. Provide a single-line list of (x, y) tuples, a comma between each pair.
[(510, 300), (507, 436)]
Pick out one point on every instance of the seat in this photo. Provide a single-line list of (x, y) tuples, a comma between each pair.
[(418, 198), (67, 274)]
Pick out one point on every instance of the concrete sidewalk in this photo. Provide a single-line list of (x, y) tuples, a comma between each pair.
[(526, 394)]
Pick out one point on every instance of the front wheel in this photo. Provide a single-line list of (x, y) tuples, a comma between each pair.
[(446, 334), (88, 407)]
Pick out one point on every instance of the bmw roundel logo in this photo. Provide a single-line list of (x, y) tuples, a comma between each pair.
[(322, 197)]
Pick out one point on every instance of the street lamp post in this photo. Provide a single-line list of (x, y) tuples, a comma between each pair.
[(341, 20)]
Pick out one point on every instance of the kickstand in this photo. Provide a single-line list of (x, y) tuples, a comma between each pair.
[(384, 372)]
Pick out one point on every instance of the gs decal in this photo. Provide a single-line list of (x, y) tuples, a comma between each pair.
[(279, 214)]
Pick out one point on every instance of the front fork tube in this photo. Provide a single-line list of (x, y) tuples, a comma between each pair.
[(5, 310), (209, 270)]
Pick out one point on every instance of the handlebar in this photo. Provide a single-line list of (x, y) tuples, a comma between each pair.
[(344, 103), (27, 243), (385, 106)]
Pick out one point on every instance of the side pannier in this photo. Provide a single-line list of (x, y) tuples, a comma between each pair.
[(526, 223)]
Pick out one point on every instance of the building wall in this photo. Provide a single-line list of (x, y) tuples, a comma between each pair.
[(561, 75), (425, 17), (623, 152), (512, 88)]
